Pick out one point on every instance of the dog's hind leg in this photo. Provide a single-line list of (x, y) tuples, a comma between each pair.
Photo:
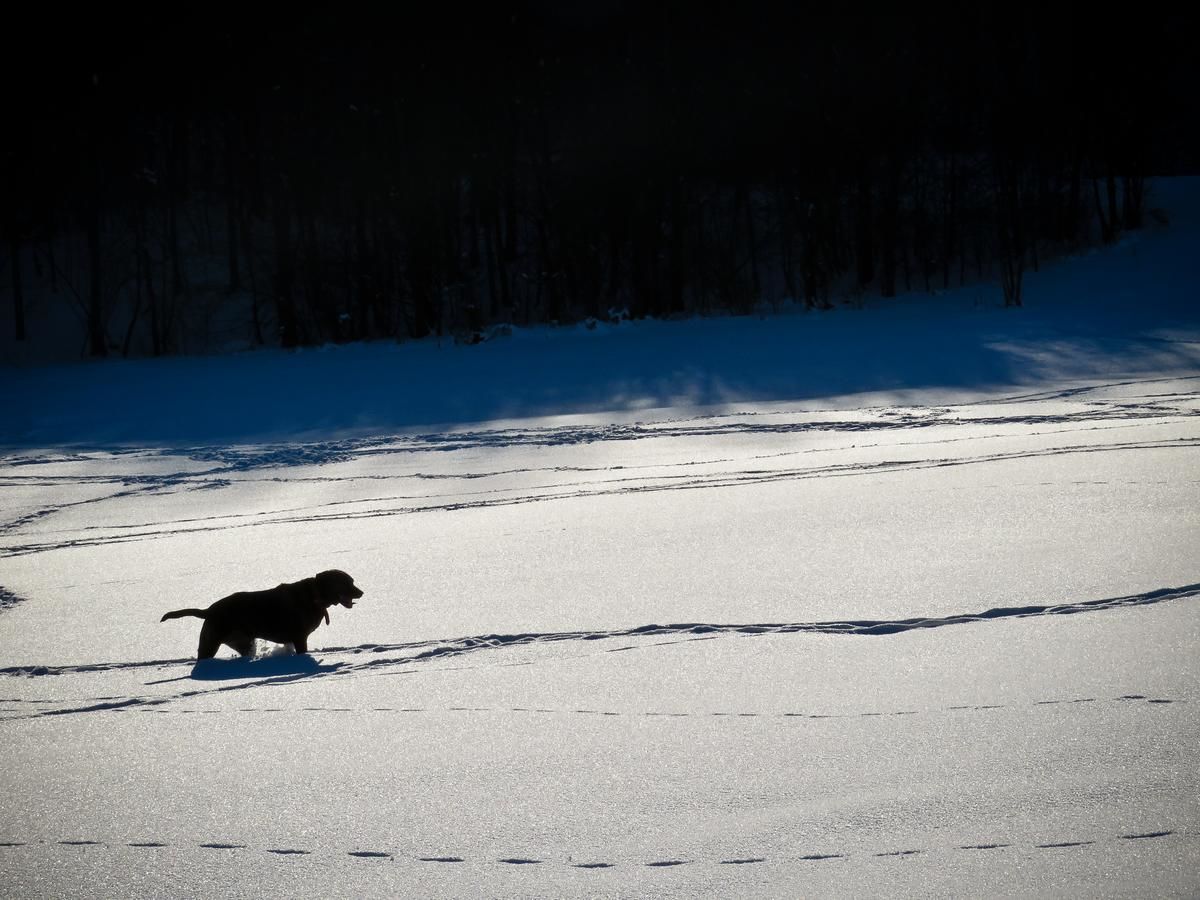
[(241, 643), (210, 640)]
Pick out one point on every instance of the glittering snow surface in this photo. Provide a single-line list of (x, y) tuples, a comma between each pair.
[(896, 601)]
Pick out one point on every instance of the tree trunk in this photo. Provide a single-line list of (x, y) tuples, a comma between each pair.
[(52, 263), (1134, 197), (676, 248), (949, 212), (647, 234), (864, 231), (752, 243), (421, 275), (14, 247), (137, 294), (889, 235), (1113, 216), (173, 250), (783, 218), (1010, 232), (146, 272), (231, 204), (97, 344), (489, 251), (364, 265), (1108, 224), (285, 275), (1075, 202), (248, 255)]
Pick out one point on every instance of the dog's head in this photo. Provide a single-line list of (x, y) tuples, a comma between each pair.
[(337, 587)]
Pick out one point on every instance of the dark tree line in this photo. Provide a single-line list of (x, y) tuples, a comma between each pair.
[(345, 177)]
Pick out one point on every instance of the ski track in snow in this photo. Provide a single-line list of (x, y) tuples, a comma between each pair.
[(235, 465)]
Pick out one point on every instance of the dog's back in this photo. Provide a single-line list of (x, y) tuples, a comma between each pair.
[(278, 614)]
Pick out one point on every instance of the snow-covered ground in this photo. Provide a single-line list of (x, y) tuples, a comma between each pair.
[(895, 601)]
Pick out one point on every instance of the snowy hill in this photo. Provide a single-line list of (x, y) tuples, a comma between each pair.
[(900, 601)]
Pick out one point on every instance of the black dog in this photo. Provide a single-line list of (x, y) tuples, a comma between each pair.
[(286, 614)]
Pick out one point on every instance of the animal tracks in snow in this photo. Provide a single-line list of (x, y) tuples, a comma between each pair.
[(1092, 843), (8, 599), (272, 668), (13, 706), (407, 658)]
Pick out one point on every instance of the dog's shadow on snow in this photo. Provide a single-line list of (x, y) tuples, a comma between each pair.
[(271, 665)]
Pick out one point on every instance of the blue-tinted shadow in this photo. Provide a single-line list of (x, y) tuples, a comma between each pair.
[(271, 666)]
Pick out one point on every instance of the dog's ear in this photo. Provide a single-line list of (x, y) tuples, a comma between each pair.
[(327, 583), (334, 584)]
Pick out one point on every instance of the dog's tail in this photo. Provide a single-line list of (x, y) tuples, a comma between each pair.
[(180, 613)]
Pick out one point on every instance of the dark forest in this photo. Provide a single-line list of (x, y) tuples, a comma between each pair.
[(332, 176)]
